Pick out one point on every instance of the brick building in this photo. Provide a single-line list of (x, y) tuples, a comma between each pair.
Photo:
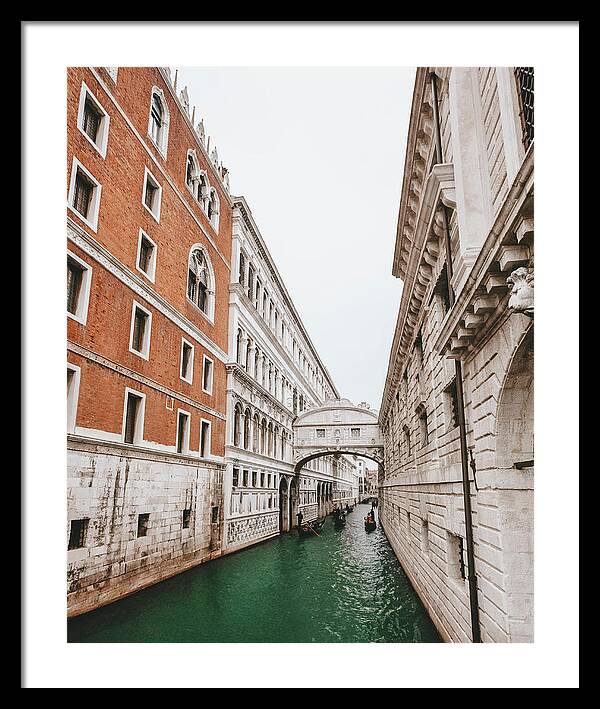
[(149, 227), (464, 250)]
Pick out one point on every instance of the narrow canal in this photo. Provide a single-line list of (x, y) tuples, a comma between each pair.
[(344, 586)]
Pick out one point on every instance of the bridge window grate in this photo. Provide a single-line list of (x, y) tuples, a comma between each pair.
[(524, 78)]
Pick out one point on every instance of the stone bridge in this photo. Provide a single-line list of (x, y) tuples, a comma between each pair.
[(337, 427)]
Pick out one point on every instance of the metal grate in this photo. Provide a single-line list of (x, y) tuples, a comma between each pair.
[(524, 77)]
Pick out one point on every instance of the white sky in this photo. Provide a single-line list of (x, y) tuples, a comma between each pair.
[(318, 153)]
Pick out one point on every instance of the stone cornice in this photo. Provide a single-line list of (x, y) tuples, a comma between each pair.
[(244, 209), (420, 135), (83, 443), (507, 247), (238, 371)]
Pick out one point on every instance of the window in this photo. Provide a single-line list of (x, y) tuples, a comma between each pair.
[(183, 432), (214, 516), (79, 278), (204, 438), (199, 288), (207, 375), (93, 120), (146, 256), (186, 364), (73, 375), (133, 418), (78, 533), (84, 194), (190, 172), (152, 195), (355, 432), (142, 525), (524, 78), (141, 325), (236, 477), (213, 209), (262, 479), (186, 517), (245, 478), (158, 123), (451, 405), (250, 283)]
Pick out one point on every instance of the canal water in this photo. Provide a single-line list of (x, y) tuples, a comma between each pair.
[(344, 586)]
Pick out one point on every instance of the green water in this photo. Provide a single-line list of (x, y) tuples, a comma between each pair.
[(344, 586)]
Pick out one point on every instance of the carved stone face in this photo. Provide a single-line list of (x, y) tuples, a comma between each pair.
[(521, 298)]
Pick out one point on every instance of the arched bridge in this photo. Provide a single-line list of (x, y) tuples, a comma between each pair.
[(337, 427)]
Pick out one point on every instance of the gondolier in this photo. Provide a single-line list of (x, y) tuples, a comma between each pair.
[(300, 517)]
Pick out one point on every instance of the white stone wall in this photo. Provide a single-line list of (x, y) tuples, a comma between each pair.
[(111, 485), (489, 211)]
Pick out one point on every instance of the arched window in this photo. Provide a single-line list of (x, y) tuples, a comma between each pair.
[(270, 440), (248, 352), (199, 289), (275, 441), (158, 123), (247, 417), (256, 434), (202, 190), (213, 208), (237, 425), (190, 172), (263, 437)]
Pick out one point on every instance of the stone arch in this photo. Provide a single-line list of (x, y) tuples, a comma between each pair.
[(293, 502), (256, 433), (372, 455), (283, 505), (514, 419), (200, 265), (247, 419), (237, 424)]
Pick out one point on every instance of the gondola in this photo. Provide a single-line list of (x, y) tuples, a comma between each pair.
[(339, 521), (370, 523), (311, 529)]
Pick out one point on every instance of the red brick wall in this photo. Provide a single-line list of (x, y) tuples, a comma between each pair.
[(121, 214)]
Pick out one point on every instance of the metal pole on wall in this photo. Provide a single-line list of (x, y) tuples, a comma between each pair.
[(466, 483)]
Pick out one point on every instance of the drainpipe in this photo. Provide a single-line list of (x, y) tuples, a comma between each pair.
[(475, 629)]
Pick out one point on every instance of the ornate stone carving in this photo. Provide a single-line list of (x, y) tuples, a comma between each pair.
[(520, 283), (201, 132)]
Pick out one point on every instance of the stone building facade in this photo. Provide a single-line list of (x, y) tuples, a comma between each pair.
[(149, 225), (274, 374), (464, 250)]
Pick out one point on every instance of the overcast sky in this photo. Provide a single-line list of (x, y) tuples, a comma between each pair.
[(318, 154)]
